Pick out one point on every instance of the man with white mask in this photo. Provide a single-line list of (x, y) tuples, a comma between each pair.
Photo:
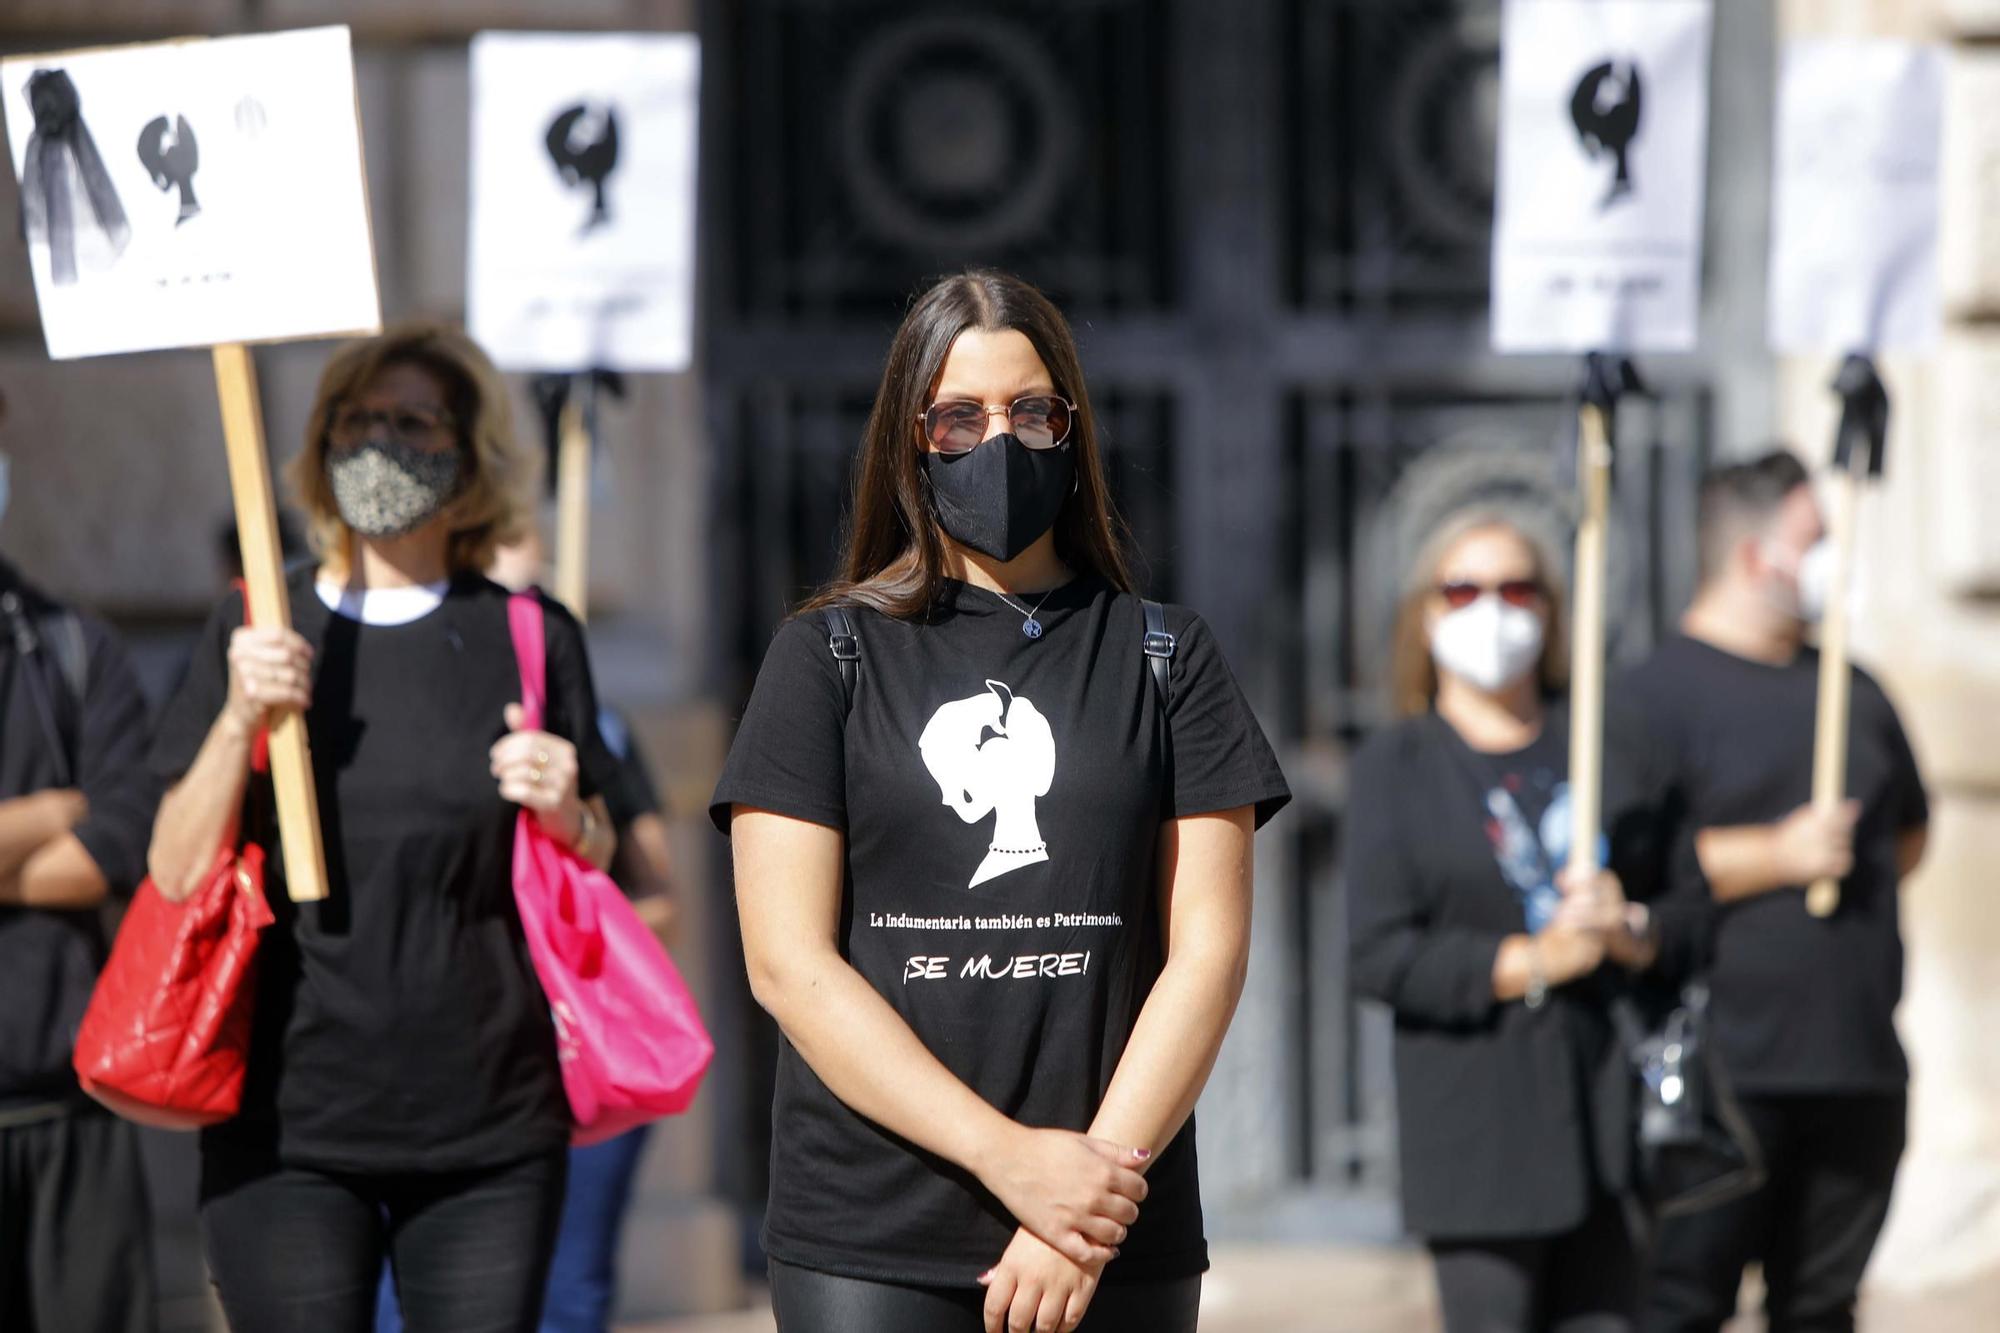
[(1802, 1006)]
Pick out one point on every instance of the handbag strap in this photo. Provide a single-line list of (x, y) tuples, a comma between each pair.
[(524, 620)]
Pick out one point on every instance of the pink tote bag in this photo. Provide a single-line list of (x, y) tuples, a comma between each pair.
[(631, 1041)]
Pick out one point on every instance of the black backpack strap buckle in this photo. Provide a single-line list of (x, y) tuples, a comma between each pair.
[(845, 645), (1160, 647)]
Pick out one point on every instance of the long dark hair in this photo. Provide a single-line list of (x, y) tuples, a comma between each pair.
[(894, 557)]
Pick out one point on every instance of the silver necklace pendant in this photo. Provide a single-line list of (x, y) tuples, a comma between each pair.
[(1030, 627)]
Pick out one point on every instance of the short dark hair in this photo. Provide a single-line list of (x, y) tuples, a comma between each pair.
[(1738, 499)]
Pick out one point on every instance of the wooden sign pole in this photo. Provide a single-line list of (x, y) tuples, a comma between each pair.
[(1586, 679), (1858, 446), (1835, 675), (573, 501), (264, 580)]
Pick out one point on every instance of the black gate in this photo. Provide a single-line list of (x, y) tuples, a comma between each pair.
[(1269, 222)]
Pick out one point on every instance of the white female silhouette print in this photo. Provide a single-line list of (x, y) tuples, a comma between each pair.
[(994, 754)]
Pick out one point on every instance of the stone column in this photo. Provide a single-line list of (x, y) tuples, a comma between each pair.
[(1930, 628)]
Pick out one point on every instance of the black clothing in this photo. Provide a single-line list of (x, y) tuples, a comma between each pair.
[(1512, 1120), (399, 1024), (1583, 1281), (634, 793), (1800, 1004), (76, 1227), (806, 1301), (295, 1248), (1832, 1163), (49, 960), (1002, 799)]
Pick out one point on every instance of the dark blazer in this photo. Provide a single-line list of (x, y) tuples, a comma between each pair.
[(1511, 1120)]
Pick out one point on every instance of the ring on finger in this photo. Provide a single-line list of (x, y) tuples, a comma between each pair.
[(535, 778)]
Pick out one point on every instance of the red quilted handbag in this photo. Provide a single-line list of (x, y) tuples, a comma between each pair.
[(167, 1034)]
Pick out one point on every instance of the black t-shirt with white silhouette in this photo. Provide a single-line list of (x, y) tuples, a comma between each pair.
[(1001, 799)]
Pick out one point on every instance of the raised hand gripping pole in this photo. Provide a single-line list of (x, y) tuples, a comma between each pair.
[(1604, 381), (1863, 430), (264, 584)]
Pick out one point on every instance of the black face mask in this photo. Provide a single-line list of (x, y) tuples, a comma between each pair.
[(1001, 496)]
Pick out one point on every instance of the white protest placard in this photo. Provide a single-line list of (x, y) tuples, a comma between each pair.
[(581, 254), (193, 193), (1598, 208), (1854, 207)]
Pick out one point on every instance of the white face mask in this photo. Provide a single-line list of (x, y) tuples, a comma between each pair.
[(1812, 576), (1488, 644), (1815, 580)]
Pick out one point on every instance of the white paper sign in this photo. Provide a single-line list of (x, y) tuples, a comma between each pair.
[(581, 254), (1603, 127), (1854, 209), (187, 193)]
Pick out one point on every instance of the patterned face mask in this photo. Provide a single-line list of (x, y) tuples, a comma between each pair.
[(385, 488)]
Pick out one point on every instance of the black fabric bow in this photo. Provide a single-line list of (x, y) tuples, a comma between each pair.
[(552, 395), (59, 146), (1864, 413), (1606, 379)]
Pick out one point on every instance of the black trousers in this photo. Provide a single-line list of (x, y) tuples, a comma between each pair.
[(1832, 1162), (1582, 1281), (293, 1248), (76, 1228), (806, 1301)]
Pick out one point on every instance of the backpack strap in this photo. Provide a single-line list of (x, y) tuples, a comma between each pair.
[(1160, 647), (845, 646), (62, 630), (28, 647)]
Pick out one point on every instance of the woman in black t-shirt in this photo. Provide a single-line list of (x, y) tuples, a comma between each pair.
[(1512, 1095), (403, 1096), (993, 874)]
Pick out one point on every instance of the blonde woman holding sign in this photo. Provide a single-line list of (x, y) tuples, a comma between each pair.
[(1513, 1097), (403, 1097)]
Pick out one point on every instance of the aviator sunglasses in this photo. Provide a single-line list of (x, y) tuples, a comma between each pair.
[(957, 425)]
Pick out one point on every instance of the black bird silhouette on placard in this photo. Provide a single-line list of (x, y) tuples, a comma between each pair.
[(63, 180), (169, 153), (583, 142), (1605, 110)]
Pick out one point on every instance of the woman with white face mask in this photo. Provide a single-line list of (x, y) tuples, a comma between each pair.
[(1513, 1097)]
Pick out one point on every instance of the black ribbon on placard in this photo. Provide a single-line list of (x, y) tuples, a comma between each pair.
[(62, 157), (1606, 379), (552, 396), (1864, 413)]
